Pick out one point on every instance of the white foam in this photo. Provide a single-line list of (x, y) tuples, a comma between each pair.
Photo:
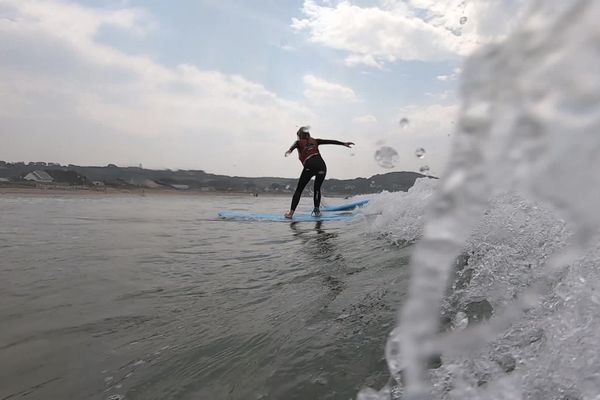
[(400, 215), (518, 201)]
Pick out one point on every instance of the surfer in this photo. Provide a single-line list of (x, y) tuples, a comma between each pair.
[(314, 165)]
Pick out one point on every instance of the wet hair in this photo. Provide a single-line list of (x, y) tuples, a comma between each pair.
[(303, 132)]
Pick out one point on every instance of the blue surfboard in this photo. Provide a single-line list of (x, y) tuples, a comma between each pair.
[(250, 216), (346, 206)]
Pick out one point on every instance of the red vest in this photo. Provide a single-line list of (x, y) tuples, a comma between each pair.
[(307, 148)]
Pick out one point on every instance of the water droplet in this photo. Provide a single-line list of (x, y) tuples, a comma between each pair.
[(404, 123), (420, 152), (386, 157), (457, 32), (461, 320), (424, 169), (463, 20)]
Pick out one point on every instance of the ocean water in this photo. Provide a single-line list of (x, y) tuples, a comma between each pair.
[(153, 297)]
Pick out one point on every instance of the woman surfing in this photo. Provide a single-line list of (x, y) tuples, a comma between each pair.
[(308, 153)]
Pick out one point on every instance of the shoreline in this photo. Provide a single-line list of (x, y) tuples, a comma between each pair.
[(73, 191)]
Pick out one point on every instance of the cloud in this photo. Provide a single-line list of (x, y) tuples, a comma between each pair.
[(430, 118), (321, 91), (441, 96), (389, 30), (285, 46), (72, 22), (80, 100), (450, 77), (365, 119), (60, 81)]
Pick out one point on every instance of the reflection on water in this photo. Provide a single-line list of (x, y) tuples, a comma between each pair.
[(318, 241)]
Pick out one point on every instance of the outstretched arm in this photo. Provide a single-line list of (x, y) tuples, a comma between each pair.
[(327, 141), (292, 147)]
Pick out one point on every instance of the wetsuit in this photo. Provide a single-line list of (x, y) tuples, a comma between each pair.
[(314, 165)]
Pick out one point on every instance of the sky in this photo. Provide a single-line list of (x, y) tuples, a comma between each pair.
[(223, 86)]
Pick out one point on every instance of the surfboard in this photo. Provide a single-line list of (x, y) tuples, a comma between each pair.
[(250, 216), (346, 206)]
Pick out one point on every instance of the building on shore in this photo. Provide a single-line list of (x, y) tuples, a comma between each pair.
[(39, 176), (180, 187)]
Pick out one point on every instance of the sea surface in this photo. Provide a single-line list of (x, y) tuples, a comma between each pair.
[(154, 297)]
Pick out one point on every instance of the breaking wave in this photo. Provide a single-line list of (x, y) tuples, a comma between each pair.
[(504, 296)]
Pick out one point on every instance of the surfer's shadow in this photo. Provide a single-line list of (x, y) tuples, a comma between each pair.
[(305, 234), (322, 246)]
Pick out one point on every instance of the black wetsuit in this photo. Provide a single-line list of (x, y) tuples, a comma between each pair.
[(313, 166)]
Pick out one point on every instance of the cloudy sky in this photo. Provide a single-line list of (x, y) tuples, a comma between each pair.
[(223, 85)]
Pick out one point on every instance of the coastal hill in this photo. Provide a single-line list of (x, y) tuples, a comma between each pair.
[(41, 174)]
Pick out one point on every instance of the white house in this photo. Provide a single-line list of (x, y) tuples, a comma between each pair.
[(180, 187), (39, 176)]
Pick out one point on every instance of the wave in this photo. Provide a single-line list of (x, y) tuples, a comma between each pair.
[(399, 216), (503, 301)]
